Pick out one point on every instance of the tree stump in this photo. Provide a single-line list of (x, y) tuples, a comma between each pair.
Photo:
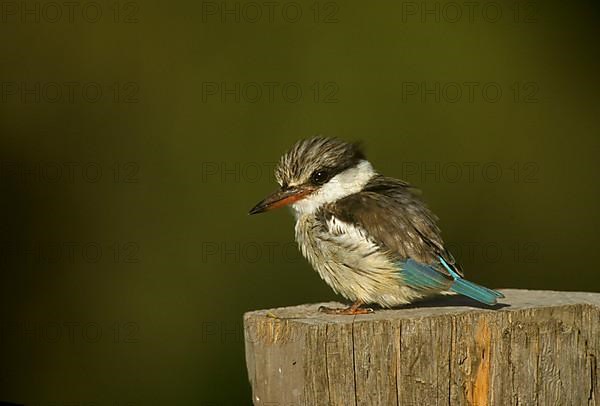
[(535, 348)]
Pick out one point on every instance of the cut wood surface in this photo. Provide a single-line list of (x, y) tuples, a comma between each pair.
[(534, 348)]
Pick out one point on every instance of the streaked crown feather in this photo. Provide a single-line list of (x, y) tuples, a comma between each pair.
[(314, 154)]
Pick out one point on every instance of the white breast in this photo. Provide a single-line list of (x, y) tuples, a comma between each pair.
[(350, 262)]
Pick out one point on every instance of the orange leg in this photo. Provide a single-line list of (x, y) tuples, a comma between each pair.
[(352, 310)]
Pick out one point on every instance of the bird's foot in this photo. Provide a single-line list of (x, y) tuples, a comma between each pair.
[(351, 311)]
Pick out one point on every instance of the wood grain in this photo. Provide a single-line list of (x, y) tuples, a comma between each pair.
[(535, 348)]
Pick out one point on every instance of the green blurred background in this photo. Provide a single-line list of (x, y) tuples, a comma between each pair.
[(135, 136)]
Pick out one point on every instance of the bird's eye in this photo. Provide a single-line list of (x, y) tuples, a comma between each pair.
[(319, 177)]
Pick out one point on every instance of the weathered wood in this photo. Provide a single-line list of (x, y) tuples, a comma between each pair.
[(537, 348)]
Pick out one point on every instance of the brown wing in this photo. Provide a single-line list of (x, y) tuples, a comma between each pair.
[(391, 213)]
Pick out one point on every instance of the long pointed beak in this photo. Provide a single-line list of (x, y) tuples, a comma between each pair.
[(280, 198)]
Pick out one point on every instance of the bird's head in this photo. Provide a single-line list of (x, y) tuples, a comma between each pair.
[(317, 171)]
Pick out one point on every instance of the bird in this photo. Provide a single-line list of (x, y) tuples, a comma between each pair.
[(371, 238)]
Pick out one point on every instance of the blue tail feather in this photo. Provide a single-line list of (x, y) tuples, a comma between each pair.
[(470, 289), (423, 277), (475, 291), (426, 278)]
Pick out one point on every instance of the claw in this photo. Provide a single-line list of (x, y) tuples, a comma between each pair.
[(351, 311)]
